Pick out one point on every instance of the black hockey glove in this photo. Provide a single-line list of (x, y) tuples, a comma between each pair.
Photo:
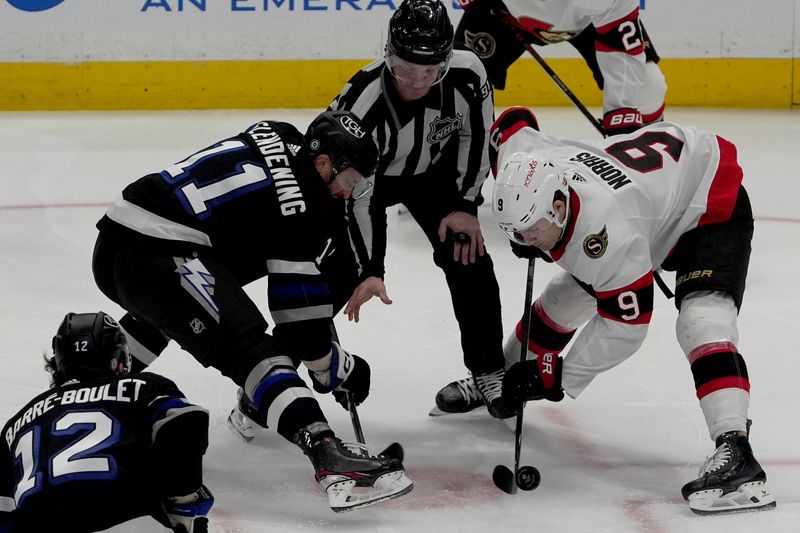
[(529, 252), (347, 373), (523, 382), (187, 514)]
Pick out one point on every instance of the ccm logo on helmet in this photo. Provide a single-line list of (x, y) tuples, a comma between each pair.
[(352, 126)]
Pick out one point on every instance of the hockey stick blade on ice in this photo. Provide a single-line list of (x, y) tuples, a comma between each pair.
[(393, 451), (525, 477)]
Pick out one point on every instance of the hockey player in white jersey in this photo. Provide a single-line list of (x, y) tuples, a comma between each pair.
[(608, 34), (611, 214)]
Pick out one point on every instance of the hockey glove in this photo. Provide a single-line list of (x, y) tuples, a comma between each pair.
[(347, 373), (619, 121), (187, 514), (524, 381)]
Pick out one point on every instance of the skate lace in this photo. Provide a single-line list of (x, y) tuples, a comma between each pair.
[(468, 390), (718, 459), (490, 385)]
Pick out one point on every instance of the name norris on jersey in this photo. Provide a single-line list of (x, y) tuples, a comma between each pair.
[(274, 151), (124, 390), (603, 169)]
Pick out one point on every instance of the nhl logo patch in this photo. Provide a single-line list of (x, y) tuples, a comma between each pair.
[(441, 128), (595, 244)]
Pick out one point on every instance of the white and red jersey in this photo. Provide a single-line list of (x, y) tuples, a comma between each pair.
[(631, 199), (619, 44)]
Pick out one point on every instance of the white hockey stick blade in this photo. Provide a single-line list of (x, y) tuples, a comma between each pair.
[(241, 426), (748, 497), (345, 496)]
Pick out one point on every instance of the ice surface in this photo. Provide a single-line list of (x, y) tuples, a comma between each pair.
[(612, 461)]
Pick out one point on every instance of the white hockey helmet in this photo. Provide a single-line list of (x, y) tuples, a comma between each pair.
[(524, 192)]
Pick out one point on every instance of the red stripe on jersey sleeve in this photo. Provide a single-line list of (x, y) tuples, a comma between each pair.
[(547, 320), (732, 382), (619, 35), (724, 187), (511, 121), (631, 304)]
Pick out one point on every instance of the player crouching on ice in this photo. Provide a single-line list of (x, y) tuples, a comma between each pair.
[(103, 449), (611, 214), (178, 246)]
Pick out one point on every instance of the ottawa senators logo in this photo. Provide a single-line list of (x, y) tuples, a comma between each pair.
[(482, 43), (595, 245)]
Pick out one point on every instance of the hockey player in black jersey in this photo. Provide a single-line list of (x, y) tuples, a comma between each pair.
[(102, 447), (177, 247), (429, 109)]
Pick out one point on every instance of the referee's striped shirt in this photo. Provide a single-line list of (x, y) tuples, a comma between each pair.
[(442, 136)]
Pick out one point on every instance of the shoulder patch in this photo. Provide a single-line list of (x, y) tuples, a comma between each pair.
[(595, 244)]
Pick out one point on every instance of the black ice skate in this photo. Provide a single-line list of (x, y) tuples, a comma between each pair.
[(352, 480), (730, 481), (243, 418), (461, 396), (468, 394)]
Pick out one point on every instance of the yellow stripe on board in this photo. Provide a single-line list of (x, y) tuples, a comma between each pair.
[(758, 83)]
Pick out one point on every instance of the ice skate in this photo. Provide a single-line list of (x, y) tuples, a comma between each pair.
[(490, 386), (460, 396), (351, 477), (241, 420), (465, 395), (730, 481)]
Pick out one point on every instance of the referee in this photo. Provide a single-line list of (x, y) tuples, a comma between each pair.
[(429, 109)]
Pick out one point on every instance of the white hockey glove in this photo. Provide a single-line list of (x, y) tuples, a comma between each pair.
[(187, 514), (347, 373)]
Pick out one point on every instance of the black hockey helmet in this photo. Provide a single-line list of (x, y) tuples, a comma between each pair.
[(342, 136), (89, 346), (420, 32)]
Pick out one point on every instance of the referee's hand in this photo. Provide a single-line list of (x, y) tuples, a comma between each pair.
[(465, 232)]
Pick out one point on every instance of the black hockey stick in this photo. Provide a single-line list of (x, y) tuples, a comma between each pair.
[(510, 21), (524, 477), (394, 450)]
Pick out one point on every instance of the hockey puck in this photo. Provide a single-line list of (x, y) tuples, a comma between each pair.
[(528, 478)]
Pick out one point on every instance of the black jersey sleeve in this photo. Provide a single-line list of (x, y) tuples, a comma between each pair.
[(7, 504), (178, 433)]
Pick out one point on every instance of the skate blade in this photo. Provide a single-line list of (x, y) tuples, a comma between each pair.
[(748, 497), (345, 496), (438, 412), (241, 426)]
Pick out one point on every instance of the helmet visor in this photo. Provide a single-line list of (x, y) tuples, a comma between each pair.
[(414, 75)]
